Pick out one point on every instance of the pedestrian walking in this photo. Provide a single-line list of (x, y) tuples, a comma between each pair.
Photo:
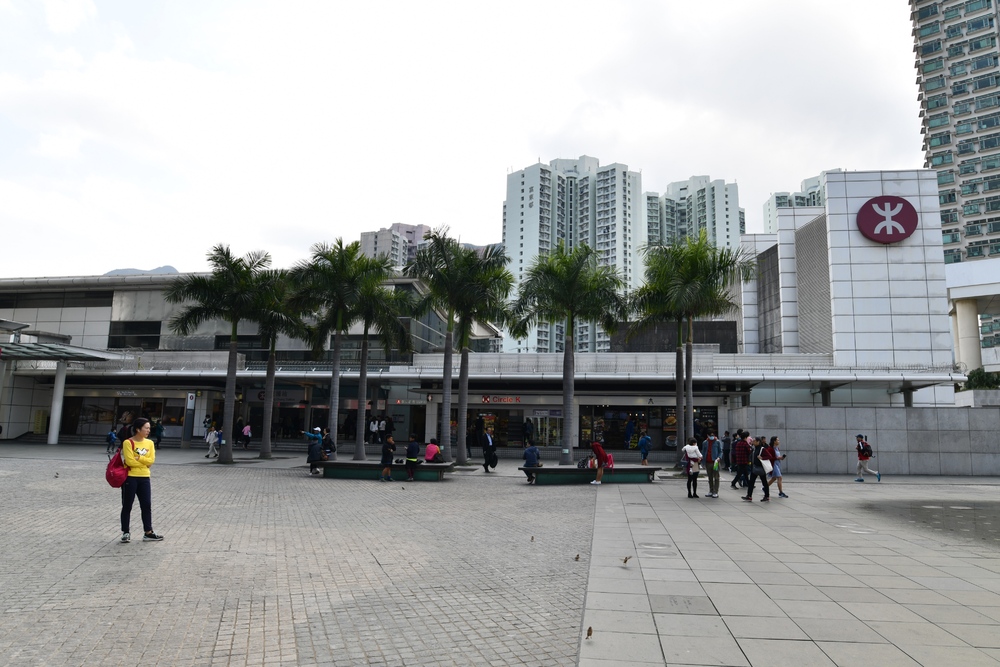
[(213, 438), (315, 454), (742, 451), (138, 454), (246, 436), (644, 443), (373, 431), (489, 451), (711, 456), (727, 451), (158, 432), (762, 463), (865, 453), (692, 458), (775, 475)]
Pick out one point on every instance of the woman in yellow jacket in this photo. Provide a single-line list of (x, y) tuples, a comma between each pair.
[(138, 454)]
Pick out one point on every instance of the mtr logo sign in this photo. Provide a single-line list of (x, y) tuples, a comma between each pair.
[(887, 219)]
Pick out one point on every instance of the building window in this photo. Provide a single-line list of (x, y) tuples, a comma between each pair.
[(144, 335)]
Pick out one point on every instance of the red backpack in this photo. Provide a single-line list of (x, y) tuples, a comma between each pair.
[(116, 472)]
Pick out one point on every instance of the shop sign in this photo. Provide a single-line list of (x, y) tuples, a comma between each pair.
[(887, 219), (125, 392), (409, 401), (284, 395), (500, 399)]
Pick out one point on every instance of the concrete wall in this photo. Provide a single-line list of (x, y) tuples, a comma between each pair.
[(907, 441)]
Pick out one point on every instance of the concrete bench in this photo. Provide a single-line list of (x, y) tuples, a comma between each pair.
[(620, 474), (372, 469)]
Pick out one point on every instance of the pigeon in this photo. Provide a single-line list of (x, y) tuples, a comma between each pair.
[(57, 474), (577, 557), (532, 538), (625, 560), (590, 632)]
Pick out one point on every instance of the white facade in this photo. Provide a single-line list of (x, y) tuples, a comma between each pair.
[(824, 288), (386, 243), (573, 202), (689, 207)]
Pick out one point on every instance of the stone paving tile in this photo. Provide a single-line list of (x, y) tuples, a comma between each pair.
[(268, 566)]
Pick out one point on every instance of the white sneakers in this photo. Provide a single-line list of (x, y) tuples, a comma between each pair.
[(595, 482)]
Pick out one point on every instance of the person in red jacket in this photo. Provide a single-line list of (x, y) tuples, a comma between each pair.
[(762, 452), (602, 460)]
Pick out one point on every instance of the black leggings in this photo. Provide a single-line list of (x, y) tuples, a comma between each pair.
[(132, 488), (693, 483)]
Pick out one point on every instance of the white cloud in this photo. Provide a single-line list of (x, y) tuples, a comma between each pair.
[(66, 16), (275, 126)]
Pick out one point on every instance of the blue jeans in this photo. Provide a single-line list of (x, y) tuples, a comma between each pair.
[(132, 488)]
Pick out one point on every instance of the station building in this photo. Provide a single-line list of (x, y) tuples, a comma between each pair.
[(845, 328)]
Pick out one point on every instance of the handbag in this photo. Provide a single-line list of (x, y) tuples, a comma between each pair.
[(766, 465), (116, 472)]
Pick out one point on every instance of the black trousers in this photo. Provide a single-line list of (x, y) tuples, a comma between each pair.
[(742, 474), (132, 488), (758, 473)]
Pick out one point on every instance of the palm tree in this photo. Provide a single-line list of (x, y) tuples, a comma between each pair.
[(380, 308), (685, 282), (660, 301), (713, 272), (569, 287), (468, 287), (227, 294), (330, 285), (274, 313)]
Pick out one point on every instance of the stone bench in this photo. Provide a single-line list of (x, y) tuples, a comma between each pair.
[(372, 469), (620, 474)]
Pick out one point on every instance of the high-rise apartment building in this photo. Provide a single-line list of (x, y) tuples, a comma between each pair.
[(811, 193), (399, 242), (689, 207), (573, 202), (958, 72)]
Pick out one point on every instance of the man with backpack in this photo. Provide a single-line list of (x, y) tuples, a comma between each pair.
[(864, 454)]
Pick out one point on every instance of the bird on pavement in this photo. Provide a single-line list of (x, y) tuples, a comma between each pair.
[(625, 560), (577, 557), (590, 632)]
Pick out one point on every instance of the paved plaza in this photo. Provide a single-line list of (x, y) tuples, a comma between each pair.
[(263, 564)]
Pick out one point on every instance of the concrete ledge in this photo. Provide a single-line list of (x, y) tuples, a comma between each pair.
[(427, 472), (572, 475)]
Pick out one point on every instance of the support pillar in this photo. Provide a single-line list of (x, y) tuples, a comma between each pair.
[(55, 414), (907, 398), (826, 396), (431, 421), (3, 384), (969, 348)]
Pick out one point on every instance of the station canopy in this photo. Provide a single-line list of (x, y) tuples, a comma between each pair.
[(51, 352)]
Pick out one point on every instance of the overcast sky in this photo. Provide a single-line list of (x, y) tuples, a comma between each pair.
[(142, 133)]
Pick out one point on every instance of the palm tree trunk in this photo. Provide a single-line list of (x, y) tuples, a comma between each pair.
[(689, 382), (229, 404), (463, 407), (679, 387), (359, 447), (265, 437), (569, 361), (335, 392), (445, 426)]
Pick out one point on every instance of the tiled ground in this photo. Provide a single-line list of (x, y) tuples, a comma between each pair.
[(268, 566), (264, 565), (837, 574)]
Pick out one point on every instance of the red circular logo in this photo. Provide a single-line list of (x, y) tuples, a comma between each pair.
[(887, 219)]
